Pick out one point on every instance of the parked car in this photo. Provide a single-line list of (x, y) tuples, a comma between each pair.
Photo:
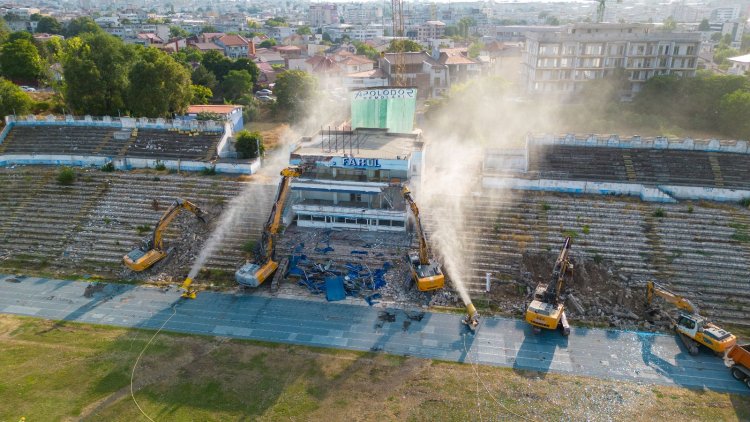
[(27, 88), (265, 99), (264, 92)]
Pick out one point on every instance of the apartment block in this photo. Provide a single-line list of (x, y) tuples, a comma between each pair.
[(562, 61)]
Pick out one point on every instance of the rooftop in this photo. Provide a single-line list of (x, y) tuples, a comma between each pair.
[(740, 59), (210, 108), (360, 143)]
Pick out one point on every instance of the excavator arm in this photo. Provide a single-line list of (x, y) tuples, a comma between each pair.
[(654, 289), (177, 206), (254, 274), (559, 272), (424, 253), (152, 251), (426, 271)]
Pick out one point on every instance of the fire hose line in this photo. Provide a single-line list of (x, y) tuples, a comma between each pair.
[(474, 364), (132, 373)]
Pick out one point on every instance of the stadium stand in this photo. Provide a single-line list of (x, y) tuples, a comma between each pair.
[(640, 165), (79, 140)]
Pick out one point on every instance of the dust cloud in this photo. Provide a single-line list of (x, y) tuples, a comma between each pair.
[(481, 114), (325, 113)]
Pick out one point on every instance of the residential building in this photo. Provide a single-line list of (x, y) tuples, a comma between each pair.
[(362, 13), (236, 46), (322, 14), (354, 32), (372, 78), (416, 69), (562, 61), (735, 29), (430, 30), (740, 64), (726, 13), (460, 67)]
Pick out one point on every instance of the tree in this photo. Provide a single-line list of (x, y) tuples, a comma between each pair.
[(80, 26), (201, 94), (267, 43), (466, 23), (217, 63), (474, 49), (247, 65), (158, 85), (405, 46), (177, 32), (366, 50), (4, 30), (236, 84), (249, 144), (294, 91), (304, 30), (204, 77), (733, 111), (704, 25), (49, 25), (95, 68), (20, 60), (670, 24), (208, 29), (276, 21), (12, 99)]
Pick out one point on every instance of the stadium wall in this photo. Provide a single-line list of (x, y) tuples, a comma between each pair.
[(659, 142), (660, 193)]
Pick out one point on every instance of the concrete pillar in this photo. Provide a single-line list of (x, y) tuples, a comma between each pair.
[(335, 198), (487, 287)]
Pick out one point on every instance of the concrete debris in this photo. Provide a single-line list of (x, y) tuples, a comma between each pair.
[(575, 303)]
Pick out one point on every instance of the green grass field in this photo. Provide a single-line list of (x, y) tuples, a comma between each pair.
[(67, 371)]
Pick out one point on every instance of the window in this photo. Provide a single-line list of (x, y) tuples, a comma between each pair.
[(397, 223), (319, 218)]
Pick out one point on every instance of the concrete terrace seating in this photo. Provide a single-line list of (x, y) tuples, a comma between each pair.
[(64, 140), (75, 140), (648, 166), (152, 143), (693, 250), (92, 224)]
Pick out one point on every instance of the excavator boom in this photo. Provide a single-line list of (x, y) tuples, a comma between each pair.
[(669, 296), (254, 274), (546, 310), (425, 270), (153, 251)]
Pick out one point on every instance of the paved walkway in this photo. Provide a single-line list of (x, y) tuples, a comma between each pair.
[(634, 356)]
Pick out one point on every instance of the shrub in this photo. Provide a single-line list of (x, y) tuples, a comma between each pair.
[(586, 229), (66, 176), (690, 209), (108, 168), (545, 206), (145, 228), (249, 144), (659, 213), (745, 202), (598, 258), (160, 166), (209, 171)]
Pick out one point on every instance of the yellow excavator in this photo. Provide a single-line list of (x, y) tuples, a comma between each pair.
[(692, 328), (254, 274), (152, 249), (425, 270), (546, 310)]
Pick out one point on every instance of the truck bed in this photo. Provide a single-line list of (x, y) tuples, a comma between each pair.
[(740, 354)]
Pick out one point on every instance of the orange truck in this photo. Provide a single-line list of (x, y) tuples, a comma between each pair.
[(739, 362)]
